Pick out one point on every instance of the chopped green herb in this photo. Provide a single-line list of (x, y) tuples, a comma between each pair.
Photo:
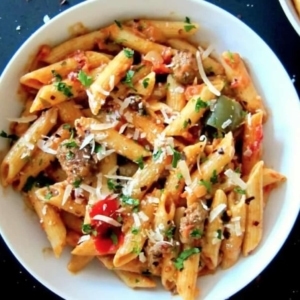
[(189, 27), (76, 183), (56, 76), (118, 23), (140, 162), (137, 280), (157, 154), (114, 238), (179, 176), (71, 144), (13, 137), (85, 79), (128, 79), (200, 104), (98, 148), (128, 53), (207, 185), (88, 229), (146, 82), (65, 89), (237, 170), (184, 255), (230, 55), (214, 177), (219, 234), (49, 194), (186, 123), (176, 158), (169, 233), (70, 155), (239, 190), (196, 233), (136, 250), (187, 20), (134, 230), (67, 126), (119, 219), (113, 186), (127, 200)]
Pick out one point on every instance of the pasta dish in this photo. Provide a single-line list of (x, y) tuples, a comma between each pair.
[(142, 150)]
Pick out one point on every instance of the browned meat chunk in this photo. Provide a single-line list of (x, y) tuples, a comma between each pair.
[(185, 67), (76, 162), (192, 224)]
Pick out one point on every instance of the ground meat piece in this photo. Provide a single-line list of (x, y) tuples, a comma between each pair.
[(193, 221), (76, 162), (185, 67)]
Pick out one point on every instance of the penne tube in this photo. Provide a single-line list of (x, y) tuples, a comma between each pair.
[(121, 144), (193, 110), (175, 94), (68, 112), (145, 86), (22, 150), (86, 248), (72, 238), (51, 223), (83, 42), (71, 221), (41, 159), (109, 78), (129, 39), (214, 233), (254, 202), (242, 83), (78, 262), (46, 75), (252, 142), (55, 195), (234, 230), (134, 280), (271, 176)]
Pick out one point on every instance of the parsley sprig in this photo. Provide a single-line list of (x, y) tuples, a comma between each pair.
[(184, 255)]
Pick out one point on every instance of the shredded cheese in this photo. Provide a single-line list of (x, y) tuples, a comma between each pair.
[(235, 179), (184, 169), (118, 177), (206, 53), (143, 216), (204, 77), (102, 126), (67, 194), (87, 140), (136, 220), (84, 238), (42, 145), (107, 220), (216, 211), (142, 257), (26, 119)]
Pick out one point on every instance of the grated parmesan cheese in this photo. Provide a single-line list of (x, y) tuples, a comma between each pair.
[(102, 126), (142, 257), (107, 220), (206, 53), (42, 145), (118, 177), (235, 179), (136, 219), (143, 216), (216, 212), (84, 238), (27, 119), (87, 140), (184, 170), (67, 194), (204, 77)]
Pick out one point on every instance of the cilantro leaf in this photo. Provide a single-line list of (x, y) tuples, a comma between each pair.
[(176, 158), (49, 194), (84, 79), (118, 23), (140, 162), (200, 104), (134, 230), (71, 144), (113, 186), (196, 233), (128, 53), (239, 190), (189, 27), (127, 200), (184, 255), (157, 154), (146, 82), (56, 76), (207, 185), (128, 79), (64, 88), (76, 183), (214, 177), (187, 20), (13, 137), (88, 229)]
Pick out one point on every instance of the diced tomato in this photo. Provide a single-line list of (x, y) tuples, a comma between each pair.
[(160, 68), (192, 90), (167, 55), (108, 238), (105, 244)]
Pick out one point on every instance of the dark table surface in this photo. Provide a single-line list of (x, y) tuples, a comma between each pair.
[(20, 18)]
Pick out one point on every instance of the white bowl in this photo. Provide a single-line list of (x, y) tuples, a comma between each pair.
[(21, 230), (291, 13)]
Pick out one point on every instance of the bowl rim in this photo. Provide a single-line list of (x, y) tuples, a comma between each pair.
[(291, 13)]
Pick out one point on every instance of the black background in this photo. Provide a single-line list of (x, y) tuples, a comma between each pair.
[(280, 280)]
